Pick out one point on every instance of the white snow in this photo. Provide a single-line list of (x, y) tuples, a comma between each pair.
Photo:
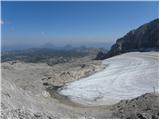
[(125, 76)]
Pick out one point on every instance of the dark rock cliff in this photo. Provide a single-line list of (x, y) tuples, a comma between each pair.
[(146, 37)]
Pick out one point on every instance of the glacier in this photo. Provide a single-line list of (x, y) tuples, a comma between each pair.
[(125, 76)]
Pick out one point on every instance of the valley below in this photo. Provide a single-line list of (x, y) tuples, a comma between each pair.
[(82, 88)]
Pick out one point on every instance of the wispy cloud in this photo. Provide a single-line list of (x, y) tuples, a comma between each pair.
[(42, 33), (1, 22)]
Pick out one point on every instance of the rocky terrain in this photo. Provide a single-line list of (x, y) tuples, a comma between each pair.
[(144, 38), (24, 85), (25, 95), (142, 107)]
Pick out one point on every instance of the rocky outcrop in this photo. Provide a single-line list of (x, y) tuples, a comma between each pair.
[(146, 37), (142, 107), (100, 56)]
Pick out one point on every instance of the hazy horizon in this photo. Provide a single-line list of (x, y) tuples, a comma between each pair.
[(90, 24)]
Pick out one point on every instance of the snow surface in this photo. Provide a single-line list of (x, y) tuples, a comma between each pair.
[(125, 76)]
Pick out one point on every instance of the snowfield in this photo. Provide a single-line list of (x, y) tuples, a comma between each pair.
[(126, 76)]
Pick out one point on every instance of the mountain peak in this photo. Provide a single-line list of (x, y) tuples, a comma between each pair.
[(145, 37)]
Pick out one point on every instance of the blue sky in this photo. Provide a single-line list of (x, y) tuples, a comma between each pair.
[(75, 23)]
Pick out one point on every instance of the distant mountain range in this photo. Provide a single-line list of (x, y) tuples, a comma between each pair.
[(47, 55), (47, 46), (144, 38), (53, 46)]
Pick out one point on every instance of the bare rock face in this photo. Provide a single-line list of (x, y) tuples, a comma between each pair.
[(100, 56), (144, 38)]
